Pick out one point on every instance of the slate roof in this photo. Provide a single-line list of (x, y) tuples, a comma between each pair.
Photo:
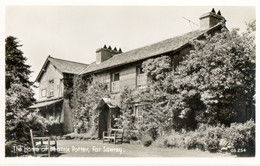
[(146, 52), (108, 101), (45, 103), (63, 66), (156, 49), (66, 66)]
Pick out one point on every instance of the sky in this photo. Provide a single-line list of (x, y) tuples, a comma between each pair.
[(76, 32)]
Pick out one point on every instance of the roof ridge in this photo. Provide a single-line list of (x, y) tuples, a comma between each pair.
[(67, 60), (195, 34), (86, 68), (159, 42), (202, 32)]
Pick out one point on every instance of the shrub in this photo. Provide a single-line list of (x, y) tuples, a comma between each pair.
[(159, 142), (238, 138), (9, 148), (241, 138), (146, 140), (213, 134), (55, 129), (20, 132), (175, 139), (190, 141)]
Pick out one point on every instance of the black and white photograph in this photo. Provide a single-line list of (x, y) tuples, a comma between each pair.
[(129, 82)]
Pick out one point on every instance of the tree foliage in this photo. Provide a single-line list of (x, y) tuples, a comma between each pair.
[(215, 83), (18, 90), (157, 114)]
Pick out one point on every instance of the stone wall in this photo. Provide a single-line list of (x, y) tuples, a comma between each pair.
[(51, 74)]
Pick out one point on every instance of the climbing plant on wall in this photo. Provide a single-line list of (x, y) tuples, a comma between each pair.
[(86, 95)]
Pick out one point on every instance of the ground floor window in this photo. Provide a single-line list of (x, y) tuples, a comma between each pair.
[(138, 112)]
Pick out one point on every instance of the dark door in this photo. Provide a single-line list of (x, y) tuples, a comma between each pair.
[(103, 121)]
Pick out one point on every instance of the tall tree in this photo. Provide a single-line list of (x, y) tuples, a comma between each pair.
[(18, 90)]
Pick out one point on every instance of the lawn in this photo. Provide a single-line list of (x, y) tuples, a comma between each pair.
[(96, 148)]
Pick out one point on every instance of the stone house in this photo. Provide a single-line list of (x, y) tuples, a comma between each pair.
[(55, 80), (117, 69)]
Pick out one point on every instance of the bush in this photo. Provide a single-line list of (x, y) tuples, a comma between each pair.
[(238, 139), (190, 142), (54, 128), (175, 139), (159, 142), (20, 132), (212, 136), (146, 140), (241, 138), (9, 148)]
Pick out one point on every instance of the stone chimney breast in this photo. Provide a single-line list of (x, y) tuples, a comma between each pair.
[(104, 53), (210, 19)]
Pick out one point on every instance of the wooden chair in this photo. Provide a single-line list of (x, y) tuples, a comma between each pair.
[(115, 135), (107, 137), (38, 143)]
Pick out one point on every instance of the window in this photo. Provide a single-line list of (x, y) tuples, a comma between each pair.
[(43, 93), (115, 86), (141, 78), (116, 77), (51, 88), (138, 112)]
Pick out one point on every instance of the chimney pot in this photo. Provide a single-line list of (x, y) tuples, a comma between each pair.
[(102, 54), (219, 13), (210, 19)]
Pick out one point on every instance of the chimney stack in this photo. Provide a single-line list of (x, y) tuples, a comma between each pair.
[(210, 18), (103, 54)]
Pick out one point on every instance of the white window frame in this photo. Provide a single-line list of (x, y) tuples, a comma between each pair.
[(51, 88), (141, 78), (115, 83), (138, 113), (43, 92)]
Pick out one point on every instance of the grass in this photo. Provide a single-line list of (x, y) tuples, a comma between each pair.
[(96, 148)]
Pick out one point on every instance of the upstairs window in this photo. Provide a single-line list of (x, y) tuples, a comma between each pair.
[(43, 93), (51, 88), (115, 86), (141, 78)]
